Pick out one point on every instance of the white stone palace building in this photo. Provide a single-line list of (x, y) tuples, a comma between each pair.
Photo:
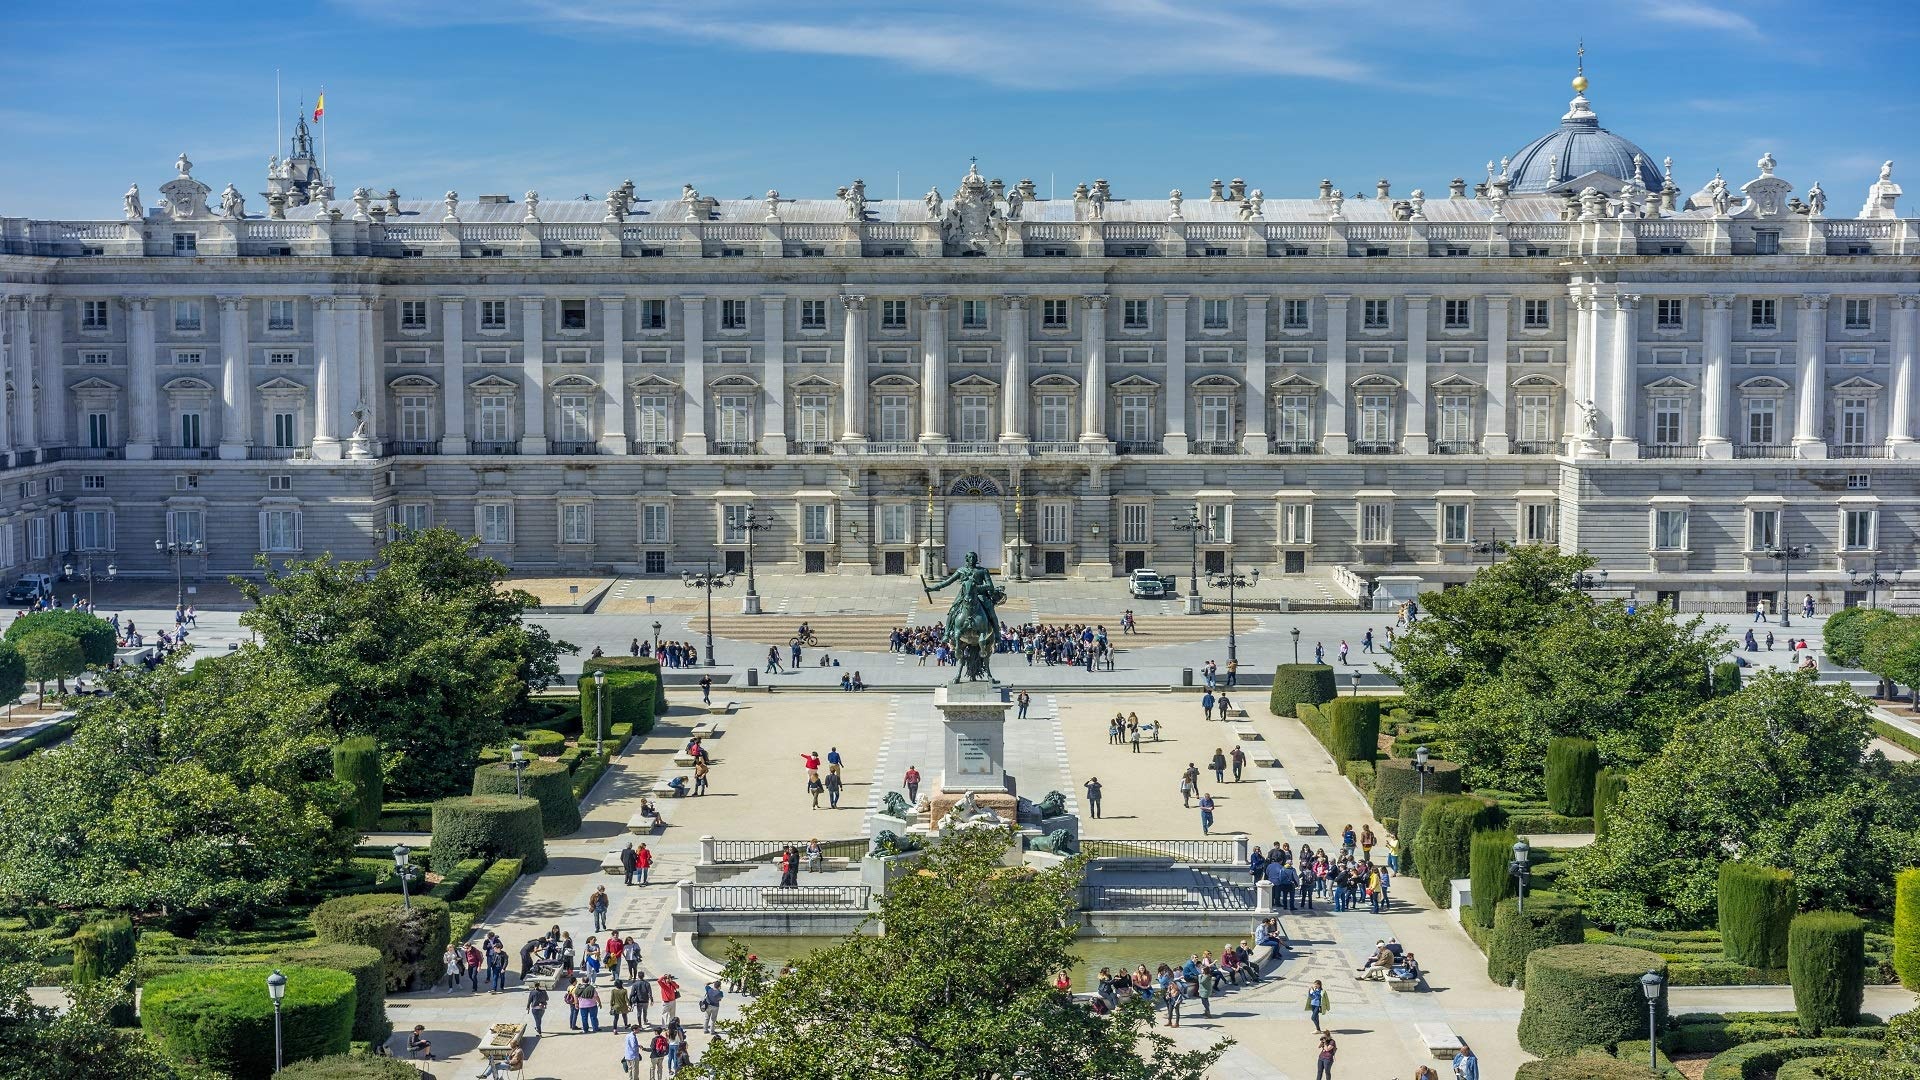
[(1571, 351)]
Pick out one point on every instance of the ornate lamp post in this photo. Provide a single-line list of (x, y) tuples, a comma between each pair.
[(86, 571), (1356, 683), (750, 603), (517, 761), (1522, 870), (1786, 553), (1295, 634), (1420, 759), (707, 581), (1588, 581), (1870, 581), (600, 713), (276, 989), (1019, 536), (1489, 548), (656, 638), (177, 549), (1650, 985), (1231, 581), (403, 869), (1193, 526)]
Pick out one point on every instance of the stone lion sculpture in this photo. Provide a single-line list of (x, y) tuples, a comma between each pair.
[(1059, 842), (895, 805), (1053, 804), (888, 842)]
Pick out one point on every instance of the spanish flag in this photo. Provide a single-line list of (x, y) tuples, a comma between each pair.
[(320, 105)]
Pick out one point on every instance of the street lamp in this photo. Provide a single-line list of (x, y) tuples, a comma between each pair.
[(750, 603), (1231, 581), (1195, 527), (708, 581), (403, 870), (177, 549), (1522, 871), (599, 712), (517, 761), (1871, 581), (1295, 632), (1420, 757), (276, 989), (1587, 581), (86, 571), (1650, 984), (1489, 548), (656, 638), (1786, 553), (1356, 683)]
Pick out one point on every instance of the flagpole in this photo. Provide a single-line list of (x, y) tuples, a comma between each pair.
[(276, 112), (325, 177)]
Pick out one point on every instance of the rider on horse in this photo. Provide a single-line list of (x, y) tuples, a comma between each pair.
[(974, 611)]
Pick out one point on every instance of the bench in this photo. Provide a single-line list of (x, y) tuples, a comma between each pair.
[(1439, 1039), (1281, 786), (1246, 734), (612, 864), (642, 824), (684, 760), (722, 708), (662, 791), (708, 729), (1303, 823), (1403, 985), (1238, 714), (1264, 759)]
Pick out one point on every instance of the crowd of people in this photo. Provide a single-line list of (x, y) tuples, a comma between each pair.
[(672, 654), (1200, 978), (1345, 878), (1084, 645)]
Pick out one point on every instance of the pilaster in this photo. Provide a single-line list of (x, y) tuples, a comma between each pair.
[(1015, 390), (1493, 432), (53, 377), (1415, 440), (1175, 441), (693, 366), (1334, 427), (1901, 434), (773, 413), (1716, 376), (326, 371), (613, 378), (933, 370), (25, 430), (1810, 343), (1254, 407), (533, 375), (1093, 394), (453, 375), (236, 406)]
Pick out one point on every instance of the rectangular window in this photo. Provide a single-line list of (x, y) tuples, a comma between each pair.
[(1853, 421), (1456, 419), (1763, 529), (187, 526), (1670, 313), (190, 430), (493, 314), (1859, 481), (280, 530), (1766, 243), (1668, 416), (1216, 314), (1056, 418), (280, 315), (496, 523), (1453, 523), (1219, 523), (733, 418), (1137, 315), (1136, 418), (93, 482), (283, 357), (1215, 412), (893, 314), (733, 314), (185, 243), (573, 418), (1857, 531), (652, 426), (1296, 523), (655, 524), (1536, 523), (812, 419), (976, 418), (186, 316), (1763, 314), (412, 517), (413, 314), (896, 523), (96, 357), (285, 430), (1376, 523), (1053, 523), (1670, 530), (813, 314), (1457, 315), (1537, 315), (896, 418), (1761, 413), (1377, 315), (1054, 314), (93, 315), (1859, 314), (973, 314), (189, 356), (1296, 315), (494, 419), (93, 530), (1376, 419), (573, 314), (653, 314), (816, 524), (280, 482), (37, 538), (99, 430), (1133, 523), (576, 523), (1295, 420)]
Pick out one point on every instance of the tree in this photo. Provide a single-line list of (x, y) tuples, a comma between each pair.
[(958, 988), (13, 672), (1892, 650), (97, 638), (177, 796), (1519, 656), (1772, 774), (77, 1043), (50, 654), (422, 649), (1844, 637)]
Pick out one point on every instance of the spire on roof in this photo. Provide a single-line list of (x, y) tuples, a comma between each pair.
[(1578, 109)]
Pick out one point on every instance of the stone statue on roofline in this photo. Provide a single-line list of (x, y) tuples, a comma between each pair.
[(232, 203), (132, 202)]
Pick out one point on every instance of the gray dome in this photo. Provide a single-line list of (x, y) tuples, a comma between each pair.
[(1579, 146)]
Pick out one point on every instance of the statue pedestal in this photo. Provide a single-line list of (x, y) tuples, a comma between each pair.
[(974, 754), (357, 447)]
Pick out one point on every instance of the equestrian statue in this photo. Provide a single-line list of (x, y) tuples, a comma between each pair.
[(973, 621)]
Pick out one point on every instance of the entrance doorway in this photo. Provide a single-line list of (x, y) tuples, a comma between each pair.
[(975, 527), (1056, 563), (1133, 560), (735, 562), (895, 562), (816, 562), (1296, 562)]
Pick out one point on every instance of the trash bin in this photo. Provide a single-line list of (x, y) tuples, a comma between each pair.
[(1186, 676), (1173, 584), (753, 676)]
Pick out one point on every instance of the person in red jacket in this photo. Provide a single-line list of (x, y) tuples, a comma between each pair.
[(669, 1000), (642, 862), (811, 759)]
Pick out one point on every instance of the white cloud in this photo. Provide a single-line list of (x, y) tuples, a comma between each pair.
[(1701, 16)]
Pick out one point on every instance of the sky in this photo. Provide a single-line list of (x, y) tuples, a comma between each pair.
[(569, 97)]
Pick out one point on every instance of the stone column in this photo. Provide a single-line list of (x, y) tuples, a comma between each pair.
[(1810, 343), (773, 428), (1901, 434), (346, 347), (140, 380), (1175, 440), (1414, 439), (1254, 439), (26, 402), (53, 375), (1626, 378), (1334, 429), (533, 374), (933, 370), (1014, 390), (1093, 392), (613, 375), (1716, 377), (235, 408), (1493, 433), (853, 369), (1579, 361), (1598, 374), (326, 371), (693, 368), (453, 375), (368, 314)]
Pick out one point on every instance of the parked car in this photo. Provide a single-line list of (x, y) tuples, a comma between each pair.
[(1146, 584), (29, 588)]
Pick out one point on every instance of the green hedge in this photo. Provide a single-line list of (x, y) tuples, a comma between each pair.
[(221, 1018), (101, 949), (1608, 785), (352, 1067), (1360, 775), (1406, 830), (1726, 678), (1909, 743), (1712, 1033), (410, 941), (1583, 995), (95, 634), (1754, 1060), (1294, 683), (586, 772), (369, 971), (405, 817), (46, 736), (1825, 954), (1447, 825), (1548, 920), (627, 664), (490, 827), (547, 782), (455, 883), (1489, 853), (1353, 729), (1571, 767), (356, 763), (1906, 927), (1395, 778), (1586, 1065), (1530, 824), (1756, 906), (542, 743), (631, 700), (492, 884)]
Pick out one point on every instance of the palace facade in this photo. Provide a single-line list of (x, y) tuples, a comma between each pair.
[(1570, 350)]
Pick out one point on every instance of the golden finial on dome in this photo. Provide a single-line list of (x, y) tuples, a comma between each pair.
[(1580, 69)]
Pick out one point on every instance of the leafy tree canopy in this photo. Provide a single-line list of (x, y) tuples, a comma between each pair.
[(421, 649), (50, 654), (78, 1043), (1891, 650), (1519, 655), (1844, 637), (958, 988), (177, 796), (1771, 774)]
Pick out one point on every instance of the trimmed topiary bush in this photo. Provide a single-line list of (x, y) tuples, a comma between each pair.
[(1394, 779), (1549, 920), (489, 827), (1353, 729), (542, 743), (631, 699), (220, 1017), (628, 665), (1756, 907), (1489, 854), (1750, 1061), (1906, 928), (411, 942), (101, 949), (1586, 1065), (1407, 830), (1726, 678), (1571, 767), (369, 970), (1294, 683), (1608, 785), (356, 763), (95, 634), (1447, 825), (352, 1067), (1826, 952), (1587, 995), (547, 782)]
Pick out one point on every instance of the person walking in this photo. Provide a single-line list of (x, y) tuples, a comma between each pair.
[(706, 689), (1239, 759), (1173, 993), (815, 788), (657, 1056), (773, 660), (1466, 1064), (710, 1006), (833, 760), (1367, 840), (700, 771), (1206, 705), (1366, 641), (1319, 653), (832, 783), (473, 962), (451, 959), (619, 1005), (1760, 610), (1218, 764), (1206, 815), (642, 863), (1093, 796), (1323, 1064), (589, 997), (1021, 703), (1806, 608), (1317, 1003), (1133, 735), (597, 906), (1189, 782), (631, 1053), (639, 990), (912, 782), (1343, 651), (537, 1008), (626, 861)]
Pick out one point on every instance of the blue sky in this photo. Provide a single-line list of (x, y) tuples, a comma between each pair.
[(738, 96)]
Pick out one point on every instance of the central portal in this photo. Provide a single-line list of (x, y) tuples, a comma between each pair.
[(974, 526)]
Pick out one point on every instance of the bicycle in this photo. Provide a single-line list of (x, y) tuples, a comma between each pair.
[(805, 637)]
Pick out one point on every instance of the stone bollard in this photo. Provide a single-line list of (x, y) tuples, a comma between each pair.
[(683, 900), (1242, 848), (1263, 895), (707, 850)]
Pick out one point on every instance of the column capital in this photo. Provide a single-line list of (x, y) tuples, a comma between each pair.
[(1096, 301), (1419, 299), (774, 299), (1501, 299), (1181, 299), (934, 303), (693, 301), (16, 303), (324, 301), (139, 303), (1257, 298), (1338, 299), (1718, 301), (1814, 301), (531, 301), (1626, 301), (453, 301), (47, 303), (853, 301), (1907, 302), (1015, 301), (230, 303)]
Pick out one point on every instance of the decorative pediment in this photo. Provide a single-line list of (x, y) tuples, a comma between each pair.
[(1457, 383), (413, 382), (1216, 382), (1669, 385), (1537, 381), (1377, 381), (1762, 384), (653, 382), (975, 382), (1136, 382), (1056, 381), (493, 384), (816, 383), (95, 386), (733, 382), (573, 383), (1296, 382), (280, 384), (187, 384), (1859, 386), (895, 381)]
